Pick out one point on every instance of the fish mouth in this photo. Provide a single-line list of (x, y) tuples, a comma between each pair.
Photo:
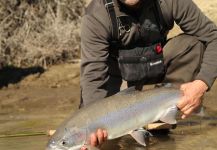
[(56, 147), (53, 146)]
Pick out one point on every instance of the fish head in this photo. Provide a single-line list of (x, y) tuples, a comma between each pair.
[(68, 139)]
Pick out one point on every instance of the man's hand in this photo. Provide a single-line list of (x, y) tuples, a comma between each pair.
[(98, 138), (192, 94)]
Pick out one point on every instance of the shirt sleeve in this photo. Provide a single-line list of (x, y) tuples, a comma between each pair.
[(193, 22), (94, 56)]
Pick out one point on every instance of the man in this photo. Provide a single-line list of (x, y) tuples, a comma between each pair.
[(126, 39)]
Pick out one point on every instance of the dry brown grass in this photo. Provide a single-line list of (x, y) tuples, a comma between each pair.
[(39, 32), (46, 32)]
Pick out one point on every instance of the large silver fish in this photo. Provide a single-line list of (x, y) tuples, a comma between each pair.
[(120, 114)]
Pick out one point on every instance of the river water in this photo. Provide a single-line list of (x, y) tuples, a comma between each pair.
[(26, 114), (28, 133), (192, 134)]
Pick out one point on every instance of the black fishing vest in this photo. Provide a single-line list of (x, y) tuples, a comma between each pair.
[(137, 40)]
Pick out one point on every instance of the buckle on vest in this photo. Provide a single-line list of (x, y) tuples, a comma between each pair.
[(109, 5)]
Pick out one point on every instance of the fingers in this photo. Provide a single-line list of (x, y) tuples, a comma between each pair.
[(83, 148), (182, 103), (183, 87), (185, 108), (93, 139), (189, 109), (184, 116), (105, 134), (98, 138), (187, 112), (190, 100)]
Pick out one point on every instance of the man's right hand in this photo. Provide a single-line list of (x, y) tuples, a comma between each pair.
[(98, 137)]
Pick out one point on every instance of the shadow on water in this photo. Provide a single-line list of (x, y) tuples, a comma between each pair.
[(13, 75)]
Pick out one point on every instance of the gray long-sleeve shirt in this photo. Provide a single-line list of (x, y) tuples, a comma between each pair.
[(96, 32)]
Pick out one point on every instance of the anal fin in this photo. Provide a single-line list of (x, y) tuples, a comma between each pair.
[(140, 135)]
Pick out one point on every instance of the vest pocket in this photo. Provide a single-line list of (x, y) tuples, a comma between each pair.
[(132, 68), (141, 64), (156, 69)]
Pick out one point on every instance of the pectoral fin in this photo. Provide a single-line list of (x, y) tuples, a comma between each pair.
[(140, 135), (169, 116)]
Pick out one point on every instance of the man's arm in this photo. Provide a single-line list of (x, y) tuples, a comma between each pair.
[(192, 21), (94, 56)]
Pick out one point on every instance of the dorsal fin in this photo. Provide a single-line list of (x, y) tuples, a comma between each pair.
[(129, 90)]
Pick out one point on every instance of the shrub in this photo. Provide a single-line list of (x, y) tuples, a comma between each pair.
[(39, 32)]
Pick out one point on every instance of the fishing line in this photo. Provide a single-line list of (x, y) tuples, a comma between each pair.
[(22, 134)]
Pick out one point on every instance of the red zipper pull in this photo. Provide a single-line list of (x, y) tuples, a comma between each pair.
[(158, 48)]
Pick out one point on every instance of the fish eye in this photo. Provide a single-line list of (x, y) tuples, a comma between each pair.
[(64, 143)]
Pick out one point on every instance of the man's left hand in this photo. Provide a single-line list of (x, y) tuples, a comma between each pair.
[(192, 97)]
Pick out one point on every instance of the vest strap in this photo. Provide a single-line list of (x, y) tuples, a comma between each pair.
[(160, 18), (110, 6)]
